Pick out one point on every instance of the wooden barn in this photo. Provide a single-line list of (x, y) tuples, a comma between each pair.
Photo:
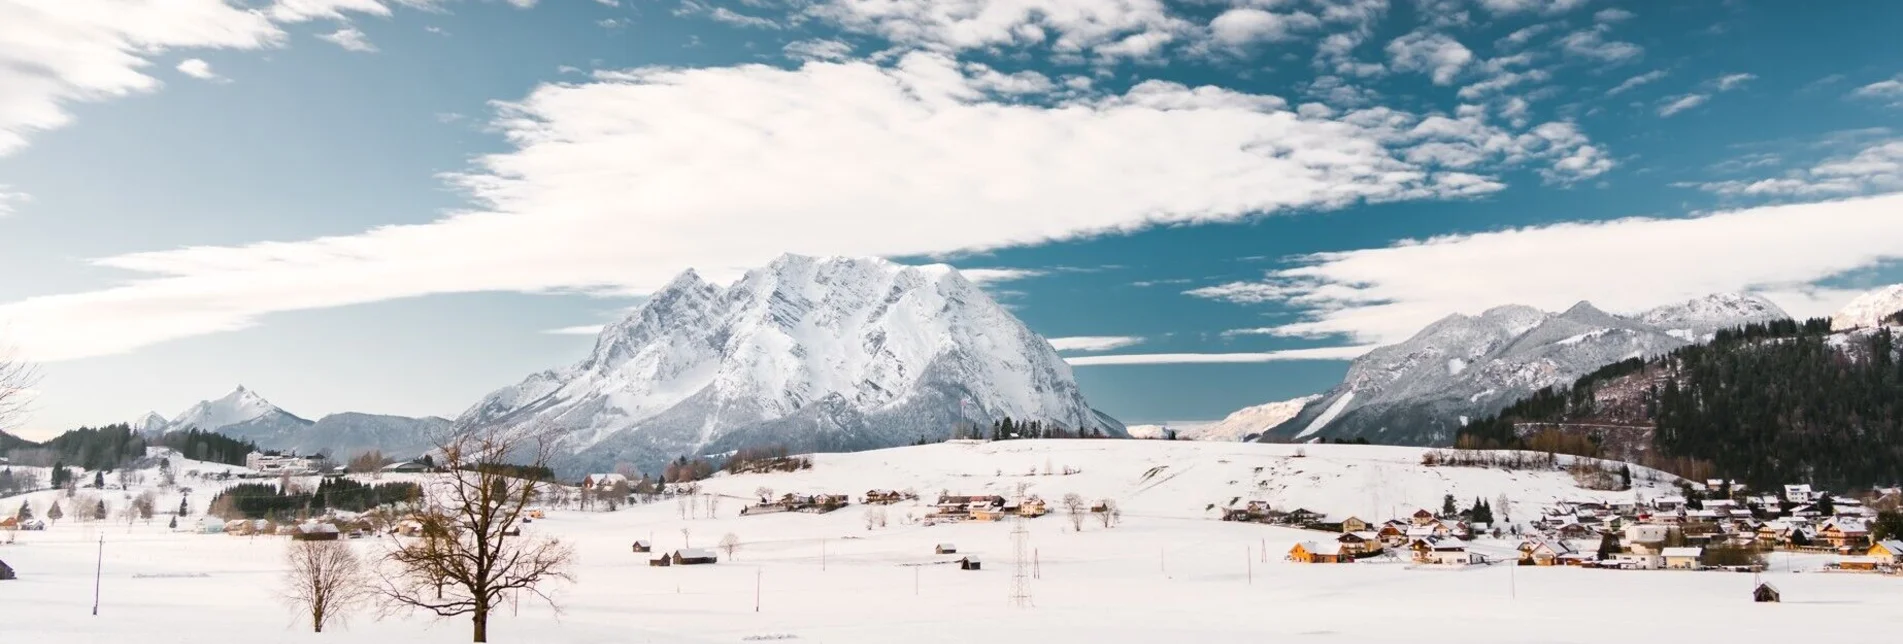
[(1766, 593), (6, 572), (969, 562), (315, 532), (945, 549), (642, 545), (661, 561), (694, 556)]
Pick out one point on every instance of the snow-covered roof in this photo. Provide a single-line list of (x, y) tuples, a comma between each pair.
[(1894, 546), (694, 553), (317, 528), (1329, 548), (1682, 552), (972, 558)]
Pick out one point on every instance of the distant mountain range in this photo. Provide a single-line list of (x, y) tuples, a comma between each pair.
[(817, 354), (244, 414), (1421, 391)]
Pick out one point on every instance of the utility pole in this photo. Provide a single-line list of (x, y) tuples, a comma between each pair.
[(756, 589), (98, 570), (1020, 581), (1250, 561)]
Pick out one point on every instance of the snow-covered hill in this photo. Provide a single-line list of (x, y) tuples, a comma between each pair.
[(1419, 392), (826, 354), (1180, 479), (1869, 309), (1250, 421), (150, 423), (246, 415)]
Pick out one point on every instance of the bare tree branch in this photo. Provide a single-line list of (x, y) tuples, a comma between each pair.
[(17, 378), (471, 556)]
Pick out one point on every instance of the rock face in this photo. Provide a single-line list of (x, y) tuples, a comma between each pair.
[(244, 414), (1869, 309), (833, 354), (1249, 422), (1421, 391)]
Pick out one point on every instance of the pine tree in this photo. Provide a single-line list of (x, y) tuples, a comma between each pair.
[(1447, 508), (1608, 546), (60, 475), (26, 512), (54, 514), (100, 513), (1826, 506), (183, 507), (99, 479), (174, 524)]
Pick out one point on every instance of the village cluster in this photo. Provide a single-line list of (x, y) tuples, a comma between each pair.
[(1733, 531)]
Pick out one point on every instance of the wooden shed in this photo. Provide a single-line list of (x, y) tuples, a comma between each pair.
[(1766, 593), (945, 549), (6, 572), (694, 556), (315, 532), (969, 562), (661, 561), (642, 545)]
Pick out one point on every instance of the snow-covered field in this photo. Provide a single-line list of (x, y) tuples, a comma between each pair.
[(1169, 572)]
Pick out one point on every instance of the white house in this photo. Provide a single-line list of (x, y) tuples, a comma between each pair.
[(602, 481), (1638, 561), (1798, 493), (1682, 558), (1646, 537), (280, 463)]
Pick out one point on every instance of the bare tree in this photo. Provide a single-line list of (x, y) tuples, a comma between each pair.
[(325, 578), (466, 562), (730, 543), (713, 505), (1110, 513), (875, 517), (370, 462), (1074, 509), (765, 493), (681, 502), (685, 543), (16, 382)]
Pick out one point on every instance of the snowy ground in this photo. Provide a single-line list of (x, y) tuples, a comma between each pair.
[(1167, 573)]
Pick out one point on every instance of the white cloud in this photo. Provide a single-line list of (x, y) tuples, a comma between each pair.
[(9, 199), (1730, 82), (818, 49), (1876, 168), (1095, 342), (1635, 81), (1523, 35), (586, 329), (1288, 355), (1543, 6), (1384, 295), (1892, 88), (307, 10), (1111, 28), (1438, 55), (614, 185), (610, 3), (729, 16), (1248, 25), (995, 275), (1592, 44), (1678, 104), (349, 38), (1612, 15), (197, 68), (58, 53)]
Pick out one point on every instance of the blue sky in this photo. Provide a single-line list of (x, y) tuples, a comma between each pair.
[(395, 205)]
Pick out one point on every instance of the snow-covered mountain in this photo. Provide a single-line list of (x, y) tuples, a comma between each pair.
[(1869, 309), (1420, 392), (150, 423), (1249, 421), (246, 415), (240, 408), (832, 354)]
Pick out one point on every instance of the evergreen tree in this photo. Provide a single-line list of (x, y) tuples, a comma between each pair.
[(99, 479), (100, 513), (183, 507), (1608, 546), (26, 512), (174, 524), (1447, 508), (60, 475), (53, 513), (1826, 506)]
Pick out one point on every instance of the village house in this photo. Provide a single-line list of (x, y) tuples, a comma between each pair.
[(1359, 543), (1303, 516), (1576, 531), (883, 497), (1685, 558), (1354, 524), (642, 545), (315, 532), (1443, 552), (1542, 551), (1798, 493), (1312, 552), (1638, 560), (601, 482), (406, 467), (276, 463), (1646, 538), (1888, 551), (1423, 517), (1844, 534)]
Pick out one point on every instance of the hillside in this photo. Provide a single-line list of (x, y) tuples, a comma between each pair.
[(1765, 404), (1421, 391)]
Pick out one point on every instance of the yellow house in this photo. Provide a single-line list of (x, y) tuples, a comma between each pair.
[(987, 513), (1311, 552), (1888, 551)]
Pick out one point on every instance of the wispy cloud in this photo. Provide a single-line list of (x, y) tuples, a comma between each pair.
[(1384, 295), (818, 49), (349, 38), (1289, 355), (1677, 104), (995, 275), (1095, 342), (1635, 81), (1592, 44), (832, 147), (1888, 89), (10, 199), (729, 16), (1730, 82), (1878, 167), (586, 329), (1438, 55)]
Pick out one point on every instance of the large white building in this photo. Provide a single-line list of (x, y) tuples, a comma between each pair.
[(280, 463)]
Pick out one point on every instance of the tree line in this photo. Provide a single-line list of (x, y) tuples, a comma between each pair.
[(1764, 404), (278, 501), (114, 446)]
